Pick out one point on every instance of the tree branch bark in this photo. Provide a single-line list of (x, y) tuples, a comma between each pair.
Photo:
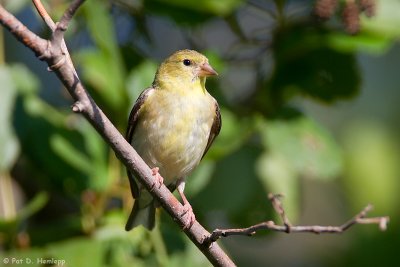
[(51, 51)]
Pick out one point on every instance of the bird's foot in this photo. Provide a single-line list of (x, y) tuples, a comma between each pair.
[(187, 208), (158, 178), (188, 213)]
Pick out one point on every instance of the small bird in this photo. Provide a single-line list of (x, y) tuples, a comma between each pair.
[(171, 126)]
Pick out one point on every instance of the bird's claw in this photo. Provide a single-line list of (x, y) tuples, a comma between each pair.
[(158, 178), (189, 214)]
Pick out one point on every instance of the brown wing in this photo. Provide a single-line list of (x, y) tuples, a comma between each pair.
[(215, 128), (133, 117), (132, 122)]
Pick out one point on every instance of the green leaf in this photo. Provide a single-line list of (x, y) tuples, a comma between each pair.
[(295, 148), (36, 107), (25, 81), (307, 64), (279, 177), (32, 207), (105, 76), (9, 145), (10, 225), (200, 177), (75, 252), (36, 204), (191, 256), (192, 12), (222, 7), (140, 78), (231, 136), (306, 147), (92, 160), (36, 123), (99, 175), (104, 68), (70, 154), (386, 20), (364, 41), (101, 27)]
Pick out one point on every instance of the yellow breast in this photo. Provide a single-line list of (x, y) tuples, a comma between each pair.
[(173, 130)]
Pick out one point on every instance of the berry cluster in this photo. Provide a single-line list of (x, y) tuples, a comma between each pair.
[(351, 10)]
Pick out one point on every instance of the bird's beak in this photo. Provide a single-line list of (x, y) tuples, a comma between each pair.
[(206, 70)]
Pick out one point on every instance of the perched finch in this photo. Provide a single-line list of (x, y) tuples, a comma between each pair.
[(172, 125)]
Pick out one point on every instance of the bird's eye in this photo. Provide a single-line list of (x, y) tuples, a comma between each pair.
[(187, 62)]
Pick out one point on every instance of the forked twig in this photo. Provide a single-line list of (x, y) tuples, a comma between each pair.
[(53, 26), (288, 228)]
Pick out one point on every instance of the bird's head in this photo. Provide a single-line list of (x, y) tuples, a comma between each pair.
[(183, 68)]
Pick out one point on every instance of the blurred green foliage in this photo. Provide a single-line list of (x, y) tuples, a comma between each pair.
[(65, 196), (9, 146)]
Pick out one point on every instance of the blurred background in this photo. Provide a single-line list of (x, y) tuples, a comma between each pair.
[(309, 94)]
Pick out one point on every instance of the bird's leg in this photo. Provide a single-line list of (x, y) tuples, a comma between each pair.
[(159, 180), (187, 208)]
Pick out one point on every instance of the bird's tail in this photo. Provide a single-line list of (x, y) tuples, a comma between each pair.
[(141, 215)]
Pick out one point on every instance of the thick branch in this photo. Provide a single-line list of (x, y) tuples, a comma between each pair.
[(52, 53), (288, 228), (38, 45)]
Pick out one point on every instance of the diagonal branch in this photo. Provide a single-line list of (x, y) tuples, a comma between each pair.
[(52, 25), (52, 52), (288, 228), (38, 45)]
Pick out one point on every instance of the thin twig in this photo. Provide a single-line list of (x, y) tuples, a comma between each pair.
[(62, 26), (358, 216), (43, 13), (277, 205), (316, 229)]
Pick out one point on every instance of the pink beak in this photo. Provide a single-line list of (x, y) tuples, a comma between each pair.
[(206, 70)]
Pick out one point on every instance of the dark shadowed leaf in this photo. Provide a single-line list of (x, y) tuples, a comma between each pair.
[(307, 64)]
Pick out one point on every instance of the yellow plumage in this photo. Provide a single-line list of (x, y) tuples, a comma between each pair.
[(171, 126)]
